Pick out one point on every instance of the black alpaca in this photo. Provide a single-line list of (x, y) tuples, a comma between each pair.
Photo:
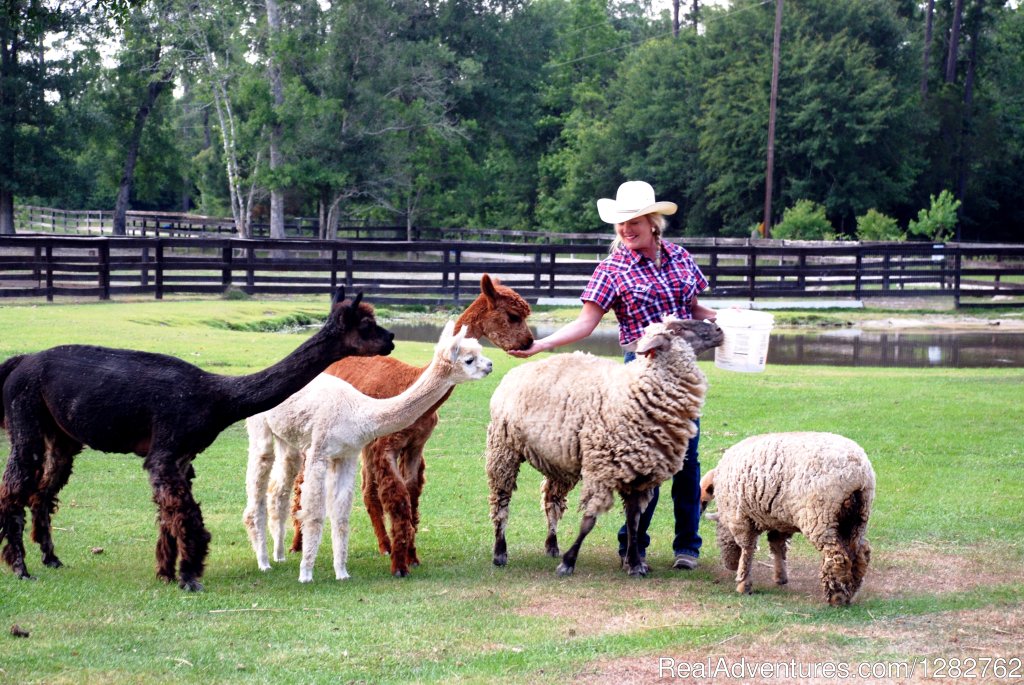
[(159, 407)]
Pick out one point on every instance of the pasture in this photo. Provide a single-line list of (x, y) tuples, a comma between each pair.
[(944, 583)]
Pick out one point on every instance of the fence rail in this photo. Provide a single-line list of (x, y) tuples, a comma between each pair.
[(444, 272)]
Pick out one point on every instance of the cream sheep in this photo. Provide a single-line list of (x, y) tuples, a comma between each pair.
[(818, 484), (619, 427), (328, 422)]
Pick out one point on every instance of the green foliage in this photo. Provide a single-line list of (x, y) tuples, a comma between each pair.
[(938, 222), (805, 220), (874, 225)]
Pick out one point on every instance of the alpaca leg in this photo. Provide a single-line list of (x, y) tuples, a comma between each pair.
[(395, 499), (180, 518), (568, 564), (21, 479), (746, 538), (778, 543), (313, 506), (635, 503), (257, 478), (414, 482), (341, 485), (287, 464), (502, 472), (372, 463), (297, 514), (44, 502), (552, 497)]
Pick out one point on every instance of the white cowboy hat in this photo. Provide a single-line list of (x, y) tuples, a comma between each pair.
[(633, 199)]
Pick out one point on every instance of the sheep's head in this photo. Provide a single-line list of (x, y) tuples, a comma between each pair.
[(707, 493), (464, 356), (699, 335)]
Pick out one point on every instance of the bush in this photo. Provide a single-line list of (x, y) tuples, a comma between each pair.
[(939, 221), (805, 220), (874, 225)]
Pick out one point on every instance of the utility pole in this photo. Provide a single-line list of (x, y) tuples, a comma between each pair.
[(770, 166)]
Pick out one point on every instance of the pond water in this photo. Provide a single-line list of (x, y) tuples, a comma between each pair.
[(842, 347)]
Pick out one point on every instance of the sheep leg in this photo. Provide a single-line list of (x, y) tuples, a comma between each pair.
[(778, 543), (43, 502), (553, 494), (313, 505), (341, 481), (257, 478), (371, 498), (287, 464), (638, 568), (502, 472), (746, 538), (568, 564)]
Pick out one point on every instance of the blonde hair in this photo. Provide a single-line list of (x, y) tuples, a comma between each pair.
[(658, 225)]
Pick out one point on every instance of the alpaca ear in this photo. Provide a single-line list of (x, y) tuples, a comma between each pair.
[(457, 343), (339, 296), (448, 330), (359, 298), (487, 288)]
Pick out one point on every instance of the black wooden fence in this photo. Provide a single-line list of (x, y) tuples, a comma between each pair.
[(444, 272)]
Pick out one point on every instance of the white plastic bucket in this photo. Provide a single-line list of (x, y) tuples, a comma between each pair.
[(745, 347)]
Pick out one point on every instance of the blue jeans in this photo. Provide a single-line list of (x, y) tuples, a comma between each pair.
[(685, 504)]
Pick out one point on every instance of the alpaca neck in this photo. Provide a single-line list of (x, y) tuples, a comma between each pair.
[(431, 388), (471, 319), (263, 390)]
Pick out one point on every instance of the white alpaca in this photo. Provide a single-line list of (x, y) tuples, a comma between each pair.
[(329, 422)]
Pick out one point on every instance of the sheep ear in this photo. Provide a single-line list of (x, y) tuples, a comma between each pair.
[(648, 344), (674, 324)]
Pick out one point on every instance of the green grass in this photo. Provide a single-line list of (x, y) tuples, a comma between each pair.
[(945, 444)]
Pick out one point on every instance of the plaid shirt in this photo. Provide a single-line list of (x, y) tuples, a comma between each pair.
[(640, 293)]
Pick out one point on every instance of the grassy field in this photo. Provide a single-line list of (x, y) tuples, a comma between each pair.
[(944, 584)]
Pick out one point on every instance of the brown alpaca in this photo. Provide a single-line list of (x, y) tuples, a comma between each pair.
[(393, 468), (158, 407)]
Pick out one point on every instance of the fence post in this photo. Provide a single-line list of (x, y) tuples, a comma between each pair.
[(250, 277), (104, 270), (856, 280), (159, 269), (49, 272), (144, 270), (348, 268), (537, 264), (36, 273), (444, 272), (752, 275), (334, 270), (957, 266), (225, 274), (551, 273), (457, 272)]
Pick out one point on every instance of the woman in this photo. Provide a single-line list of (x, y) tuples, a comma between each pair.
[(643, 279)]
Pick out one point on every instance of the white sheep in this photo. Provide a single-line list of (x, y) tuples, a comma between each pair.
[(328, 423), (619, 427), (818, 484)]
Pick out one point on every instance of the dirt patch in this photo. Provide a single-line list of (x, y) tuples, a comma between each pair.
[(923, 647)]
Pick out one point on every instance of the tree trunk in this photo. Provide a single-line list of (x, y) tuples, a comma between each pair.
[(954, 41), (675, 18), (926, 56), (124, 190), (696, 12), (277, 93)]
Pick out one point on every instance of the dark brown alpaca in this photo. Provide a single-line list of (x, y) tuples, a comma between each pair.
[(393, 468), (158, 407)]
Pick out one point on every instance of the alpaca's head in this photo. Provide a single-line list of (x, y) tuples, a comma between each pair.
[(353, 329), (461, 357), (499, 314), (695, 335)]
